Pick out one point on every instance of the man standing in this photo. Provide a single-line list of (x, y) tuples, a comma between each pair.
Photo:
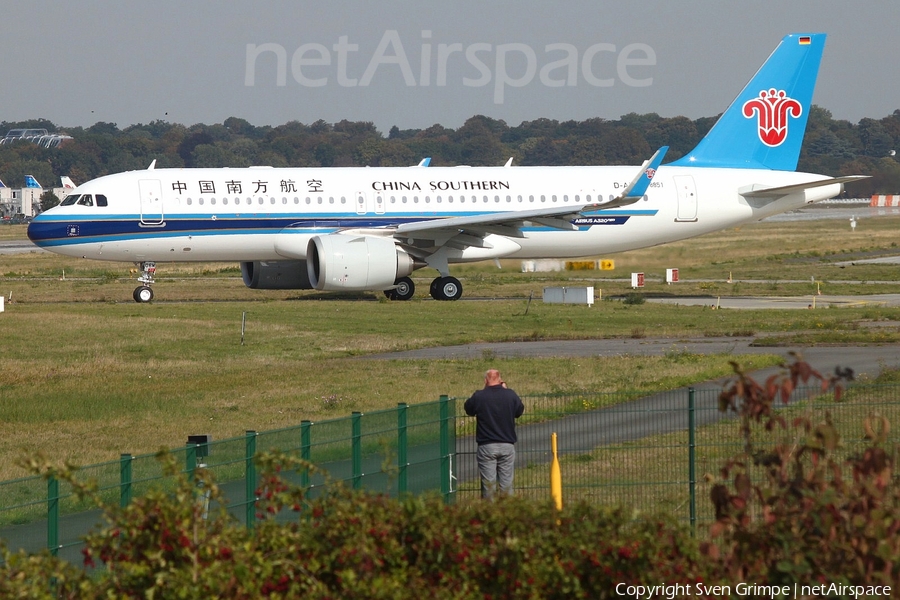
[(496, 409)]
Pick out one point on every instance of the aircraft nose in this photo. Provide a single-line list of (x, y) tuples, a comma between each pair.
[(38, 230)]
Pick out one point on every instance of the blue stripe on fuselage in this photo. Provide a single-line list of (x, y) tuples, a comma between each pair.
[(65, 230)]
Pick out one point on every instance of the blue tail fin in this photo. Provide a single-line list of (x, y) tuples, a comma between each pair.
[(31, 182), (763, 128)]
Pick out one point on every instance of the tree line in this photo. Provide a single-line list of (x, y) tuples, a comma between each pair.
[(831, 146)]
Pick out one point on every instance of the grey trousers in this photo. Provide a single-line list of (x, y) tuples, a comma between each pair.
[(495, 465)]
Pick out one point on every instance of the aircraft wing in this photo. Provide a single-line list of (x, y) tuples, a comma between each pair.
[(471, 230), (760, 191)]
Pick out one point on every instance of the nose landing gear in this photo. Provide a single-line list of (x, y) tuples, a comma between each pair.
[(144, 293)]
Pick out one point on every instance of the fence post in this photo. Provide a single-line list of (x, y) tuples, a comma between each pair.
[(53, 515), (125, 479), (250, 478), (305, 450), (402, 463), (190, 460), (692, 457), (445, 447), (356, 441)]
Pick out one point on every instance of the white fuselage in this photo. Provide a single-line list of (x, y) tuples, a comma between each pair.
[(265, 214)]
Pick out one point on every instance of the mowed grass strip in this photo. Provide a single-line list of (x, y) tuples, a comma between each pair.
[(86, 382)]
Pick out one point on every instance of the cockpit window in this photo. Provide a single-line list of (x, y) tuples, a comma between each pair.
[(85, 200)]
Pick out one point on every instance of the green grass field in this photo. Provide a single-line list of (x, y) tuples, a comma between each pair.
[(88, 374)]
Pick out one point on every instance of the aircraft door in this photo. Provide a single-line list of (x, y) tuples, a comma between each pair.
[(687, 198), (151, 203)]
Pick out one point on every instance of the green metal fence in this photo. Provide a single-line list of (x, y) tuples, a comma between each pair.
[(660, 452), (648, 452), (403, 450)]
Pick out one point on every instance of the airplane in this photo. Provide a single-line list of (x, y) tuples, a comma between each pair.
[(369, 229)]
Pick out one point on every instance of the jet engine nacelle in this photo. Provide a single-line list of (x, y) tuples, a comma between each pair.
[(276, 275), (355, 263)]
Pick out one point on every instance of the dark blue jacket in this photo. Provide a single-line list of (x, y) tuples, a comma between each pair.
[(496, 409)]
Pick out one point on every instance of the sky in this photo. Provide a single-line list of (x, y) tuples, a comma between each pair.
[(416, 64)]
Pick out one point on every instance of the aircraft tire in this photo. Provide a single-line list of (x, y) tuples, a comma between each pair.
[(433, 290), (143, 294), (450, 288), (405, 289)]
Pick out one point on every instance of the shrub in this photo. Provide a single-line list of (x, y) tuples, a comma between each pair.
[(815, 517)]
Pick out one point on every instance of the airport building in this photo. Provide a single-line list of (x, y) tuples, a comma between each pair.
[(25, 202), (41, 137)]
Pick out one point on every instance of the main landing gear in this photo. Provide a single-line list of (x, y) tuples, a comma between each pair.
[(446, 288), (144, 293), (442, 288), (404, 290)]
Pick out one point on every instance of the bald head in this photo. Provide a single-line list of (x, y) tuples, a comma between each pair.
[(492, 377)]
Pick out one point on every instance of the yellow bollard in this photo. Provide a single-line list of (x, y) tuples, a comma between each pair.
[(555, 475)]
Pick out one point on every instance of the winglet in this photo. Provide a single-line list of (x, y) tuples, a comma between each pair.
[(424, 162), (152, 165), (638, 186)]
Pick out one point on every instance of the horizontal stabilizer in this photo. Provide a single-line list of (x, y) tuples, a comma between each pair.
[(757, 191)]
